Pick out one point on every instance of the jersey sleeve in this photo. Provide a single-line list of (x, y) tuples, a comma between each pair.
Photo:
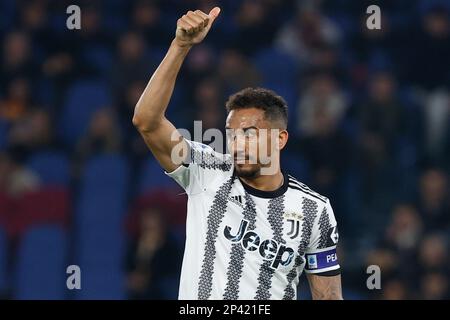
[(201, 167), (321, 256)]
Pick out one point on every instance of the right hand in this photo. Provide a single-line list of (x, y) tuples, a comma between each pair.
[(194, 26)]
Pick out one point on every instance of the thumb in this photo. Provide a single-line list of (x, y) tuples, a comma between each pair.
[(213, 14)]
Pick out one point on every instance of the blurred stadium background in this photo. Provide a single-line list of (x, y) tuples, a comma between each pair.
[(369, 125)]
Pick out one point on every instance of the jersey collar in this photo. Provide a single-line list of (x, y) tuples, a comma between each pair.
[(267, 194)]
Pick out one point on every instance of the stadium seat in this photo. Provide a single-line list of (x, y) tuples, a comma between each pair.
[(276, 66), (152, 177), (41, 264), (279, 72), (7, 211), (7, 10), (3, 134), (3, 263), (33, 208), (101, 283), (99, 57), (99, 229), (51, 167), (295, 165), (82, 100)]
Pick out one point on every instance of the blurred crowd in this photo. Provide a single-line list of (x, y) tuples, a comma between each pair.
[(369, 118)]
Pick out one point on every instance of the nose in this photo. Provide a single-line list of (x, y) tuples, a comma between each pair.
[(238, 145)]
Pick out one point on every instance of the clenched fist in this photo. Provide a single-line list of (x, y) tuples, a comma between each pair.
[(193, 26)]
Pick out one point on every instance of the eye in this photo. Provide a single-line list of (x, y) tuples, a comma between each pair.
[(251, 133), (231, 134)]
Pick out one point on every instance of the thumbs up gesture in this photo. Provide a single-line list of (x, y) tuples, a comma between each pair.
[(194, 26)]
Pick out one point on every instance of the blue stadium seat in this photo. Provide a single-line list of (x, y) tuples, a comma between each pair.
[(99, 57), (7, 12), (40, 272), (279, 72), (3, 134), (3, 262), (152, 177), (99, 231), (101, 283), (51, 167), (295, 165), (82, 100), (276, 66)]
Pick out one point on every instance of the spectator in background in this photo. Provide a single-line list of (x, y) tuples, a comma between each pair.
[(427, 60), (145, 18), (434, 286), (436, 126), (402, 236), (386, 259), (200, 63), (326, 60), (433, 202), (382, 47), (327, 149), (33, 132), (404, 230), (432, 254), (383, 122), (102, 136), (34, 19), (68, 62), (235, 71), (395, 289), (127, 98), (15, 179), (132, 63), (154, 259), (383, 115), (208, 102), (16, 58), (321, 95), (17, 99), (308, 31), (256, 20)]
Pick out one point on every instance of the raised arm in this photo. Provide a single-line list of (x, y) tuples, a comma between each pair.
[(325, 287), (159, 134)]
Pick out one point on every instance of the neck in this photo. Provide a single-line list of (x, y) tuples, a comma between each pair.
[(265, 182)]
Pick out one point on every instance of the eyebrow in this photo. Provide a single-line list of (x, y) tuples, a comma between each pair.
[(244, 129)]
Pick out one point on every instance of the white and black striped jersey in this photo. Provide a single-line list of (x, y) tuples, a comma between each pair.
[(244, 243)]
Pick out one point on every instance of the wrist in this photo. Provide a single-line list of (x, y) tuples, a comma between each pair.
[(181, 46)]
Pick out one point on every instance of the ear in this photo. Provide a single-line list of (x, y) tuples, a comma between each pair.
[(283, 137)]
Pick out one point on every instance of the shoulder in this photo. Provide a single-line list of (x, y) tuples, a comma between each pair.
[(309, 196), (207, 158)]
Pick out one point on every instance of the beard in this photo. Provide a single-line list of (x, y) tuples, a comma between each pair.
[(247, 171)]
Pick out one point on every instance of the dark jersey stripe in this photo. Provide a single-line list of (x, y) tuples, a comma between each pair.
[(237, 256), (275, 217), (310, 209), (215, 216)]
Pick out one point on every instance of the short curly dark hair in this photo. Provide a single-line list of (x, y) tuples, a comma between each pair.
[(274, 106)]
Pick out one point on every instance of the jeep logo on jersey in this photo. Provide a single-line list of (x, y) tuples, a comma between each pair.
[(268, 249)]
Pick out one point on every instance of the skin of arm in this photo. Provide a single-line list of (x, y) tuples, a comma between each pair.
[(158, 132), (325, 288)]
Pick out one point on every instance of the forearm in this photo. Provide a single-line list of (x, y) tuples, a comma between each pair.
[(325, 288), (152, 105)]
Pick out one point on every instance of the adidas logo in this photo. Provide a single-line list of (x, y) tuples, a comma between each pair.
[(237, 200)]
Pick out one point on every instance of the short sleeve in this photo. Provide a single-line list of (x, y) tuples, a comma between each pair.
[(321, 256), (201, 167)]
